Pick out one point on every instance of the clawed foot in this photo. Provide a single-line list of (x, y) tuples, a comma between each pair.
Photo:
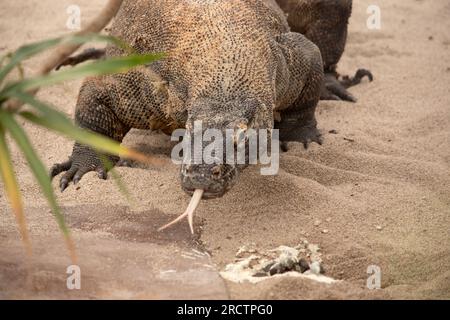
[(74, 173), (304, 135), (336, 89), (82, 161)]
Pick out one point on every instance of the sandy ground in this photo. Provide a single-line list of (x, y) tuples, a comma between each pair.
[(380, 186)]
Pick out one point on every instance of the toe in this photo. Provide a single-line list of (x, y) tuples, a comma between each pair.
[(102, 173), (66, 178), (80, 173), (60, 167), (326, 94), (339, 91), (319, 140), (124, 163), (361, 73), (284, 146)]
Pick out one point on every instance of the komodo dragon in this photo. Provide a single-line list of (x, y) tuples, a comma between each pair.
[(229, 63)]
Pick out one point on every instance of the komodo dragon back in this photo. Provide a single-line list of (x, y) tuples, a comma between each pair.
[(210, 49)]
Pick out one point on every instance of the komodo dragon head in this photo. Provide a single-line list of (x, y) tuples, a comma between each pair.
[(216, 171)]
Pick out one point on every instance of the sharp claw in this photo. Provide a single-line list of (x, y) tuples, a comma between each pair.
[(350, 98), (284, 146), (102, 174), (53, 171), (124, 163), (334, 97), (63, 184), (59, 167), (361, 73), (339, 93)]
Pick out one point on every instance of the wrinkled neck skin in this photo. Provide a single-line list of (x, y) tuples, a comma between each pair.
[(216, 133)]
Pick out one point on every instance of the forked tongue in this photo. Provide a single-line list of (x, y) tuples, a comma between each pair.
[(189, 213)]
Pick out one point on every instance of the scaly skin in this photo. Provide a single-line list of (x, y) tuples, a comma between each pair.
[(230, 64), (325, 22)]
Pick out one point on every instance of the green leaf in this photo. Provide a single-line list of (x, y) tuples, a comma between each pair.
[(12, 189), (30, 50), (3, 59), (68, 129), (56, 121), (117, 179), (39, 171), (113, 65), (25, 52)]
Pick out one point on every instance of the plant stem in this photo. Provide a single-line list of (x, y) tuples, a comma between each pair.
[(65, 50)]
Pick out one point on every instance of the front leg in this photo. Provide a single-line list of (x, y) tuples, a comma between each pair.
[(297, 122), (93, 112)]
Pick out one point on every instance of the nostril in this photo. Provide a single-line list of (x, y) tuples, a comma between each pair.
[(216, 171)]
